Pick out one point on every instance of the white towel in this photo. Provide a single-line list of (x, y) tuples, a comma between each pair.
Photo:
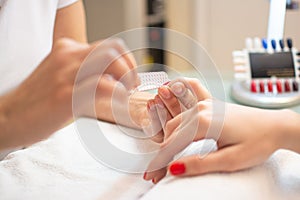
[(60, 168)]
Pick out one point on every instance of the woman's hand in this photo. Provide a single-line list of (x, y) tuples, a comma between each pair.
[(248, 136), (177, 96), (43, 102)]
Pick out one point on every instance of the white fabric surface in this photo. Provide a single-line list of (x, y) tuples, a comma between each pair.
[(26, 34), (64, 3), (60, 168)]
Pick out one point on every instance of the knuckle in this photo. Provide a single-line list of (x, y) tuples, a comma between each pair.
[(118, 42), (62, 43)]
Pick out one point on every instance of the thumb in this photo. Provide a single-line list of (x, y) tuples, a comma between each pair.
[(224, 160)]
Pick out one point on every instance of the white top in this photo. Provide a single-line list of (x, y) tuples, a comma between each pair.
[(26, 34)]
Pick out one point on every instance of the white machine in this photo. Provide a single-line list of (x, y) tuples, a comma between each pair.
[(267, 70)]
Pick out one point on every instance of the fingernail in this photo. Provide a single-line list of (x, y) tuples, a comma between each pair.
[(166, 83), (177, 168), (145, 174), (177, 88), (164, 92), (159, 102), (150, 105), (153, 181)]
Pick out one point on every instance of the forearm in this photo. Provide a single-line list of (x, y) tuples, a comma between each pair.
[(70, 22), (9, 137), (289, 130)]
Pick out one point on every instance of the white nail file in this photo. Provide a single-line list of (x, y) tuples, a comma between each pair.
[(152, 80)]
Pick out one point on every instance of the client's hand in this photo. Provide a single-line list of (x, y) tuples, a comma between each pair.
[(177, 96), (247, 137)]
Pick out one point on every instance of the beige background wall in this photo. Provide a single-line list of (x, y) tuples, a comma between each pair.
[(231, 21), (219, 25)]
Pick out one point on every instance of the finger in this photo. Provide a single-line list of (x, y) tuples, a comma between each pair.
[(185, 95), (156, 175), (195, 86), (104, 59), (122, 49), (170, 101), (121, 71), (180, 139), (179, 122), (162, 112), (153, 129), (224, 160), (85, 92), (198, 89)]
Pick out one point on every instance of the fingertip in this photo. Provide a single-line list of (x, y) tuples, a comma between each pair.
[(145, 176), (177, 168), (178, 89)]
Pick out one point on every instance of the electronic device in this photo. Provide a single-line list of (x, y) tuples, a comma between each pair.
[(267, 77), (267, 70)]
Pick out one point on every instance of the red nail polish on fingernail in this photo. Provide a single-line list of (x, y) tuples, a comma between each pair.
[(166, 83), (145, 174), (177, 168), (153, 181)]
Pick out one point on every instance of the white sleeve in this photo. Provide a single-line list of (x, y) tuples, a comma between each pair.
[(64, 3)]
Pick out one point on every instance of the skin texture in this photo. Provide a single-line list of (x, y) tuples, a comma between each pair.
[(242, 129), (42, 104), (70, 23)]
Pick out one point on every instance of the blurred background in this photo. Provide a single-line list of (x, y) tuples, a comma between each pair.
[(220, 26)]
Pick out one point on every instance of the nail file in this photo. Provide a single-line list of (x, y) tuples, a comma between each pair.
[(152, 80)]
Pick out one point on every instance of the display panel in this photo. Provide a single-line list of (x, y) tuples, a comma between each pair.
[(265, 65)]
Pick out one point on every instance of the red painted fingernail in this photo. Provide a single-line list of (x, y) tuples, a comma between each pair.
[(166, 83), (153, 181), (177, 168), (145, 174)]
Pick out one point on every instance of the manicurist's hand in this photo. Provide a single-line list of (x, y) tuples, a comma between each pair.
[(43, 102), (247, 137)]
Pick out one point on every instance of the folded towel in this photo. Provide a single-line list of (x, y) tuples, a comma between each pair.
[(60, 168), (277, 179)]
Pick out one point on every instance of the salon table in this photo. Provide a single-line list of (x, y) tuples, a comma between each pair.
[(60, 168)]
